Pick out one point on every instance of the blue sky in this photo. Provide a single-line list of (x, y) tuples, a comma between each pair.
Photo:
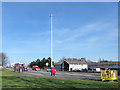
[(80, 29)]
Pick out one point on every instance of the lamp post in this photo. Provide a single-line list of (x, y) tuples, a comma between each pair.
[(51, 15)]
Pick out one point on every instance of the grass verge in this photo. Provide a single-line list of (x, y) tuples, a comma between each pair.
[(9, 72), (30, 82)]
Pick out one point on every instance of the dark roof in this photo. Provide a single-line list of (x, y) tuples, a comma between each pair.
[(58, 63), (104, 63), (89, 63), (71, 62), (75, 62)]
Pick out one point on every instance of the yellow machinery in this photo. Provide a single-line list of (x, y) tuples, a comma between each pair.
[(109, 75)]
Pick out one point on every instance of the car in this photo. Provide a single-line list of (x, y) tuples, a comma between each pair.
[(84, 70), (48, 69), (36, 68), (26, 69), (96, 70)]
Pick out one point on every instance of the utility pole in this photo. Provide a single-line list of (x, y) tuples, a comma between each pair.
[(51, 15)]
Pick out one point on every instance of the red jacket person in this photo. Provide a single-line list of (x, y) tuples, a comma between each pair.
[(53, 71)]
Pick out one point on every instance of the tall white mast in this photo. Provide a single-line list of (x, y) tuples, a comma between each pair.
[(51, 15)]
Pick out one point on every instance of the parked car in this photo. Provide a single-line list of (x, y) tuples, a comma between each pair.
[(96, 70), (48, 69), (26, 69), (36, 68), (84, 70)]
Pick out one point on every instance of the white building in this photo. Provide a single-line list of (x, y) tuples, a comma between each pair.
[(74, 64), (70, 65)]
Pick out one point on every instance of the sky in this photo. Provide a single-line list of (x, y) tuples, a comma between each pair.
[(80, 30)]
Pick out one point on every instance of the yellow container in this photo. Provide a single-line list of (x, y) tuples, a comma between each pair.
[(109, 75)]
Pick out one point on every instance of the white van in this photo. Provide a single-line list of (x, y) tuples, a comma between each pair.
[(96, 70)]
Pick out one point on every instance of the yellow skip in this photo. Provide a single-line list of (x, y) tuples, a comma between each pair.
[(109, 75)]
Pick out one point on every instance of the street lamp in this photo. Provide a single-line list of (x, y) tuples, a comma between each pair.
[(51, 15)]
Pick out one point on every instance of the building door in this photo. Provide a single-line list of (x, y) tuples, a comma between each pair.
[(66, 66)]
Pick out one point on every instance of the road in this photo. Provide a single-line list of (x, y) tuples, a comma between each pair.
[(61, 74), (72, 75)]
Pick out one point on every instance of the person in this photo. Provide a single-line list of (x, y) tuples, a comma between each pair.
[(53, 71)]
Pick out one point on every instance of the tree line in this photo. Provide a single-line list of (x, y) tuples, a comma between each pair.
[(41, 63)]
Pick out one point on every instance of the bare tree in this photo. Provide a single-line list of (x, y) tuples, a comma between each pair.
[(3, 59), (89, 61), (62, 59)]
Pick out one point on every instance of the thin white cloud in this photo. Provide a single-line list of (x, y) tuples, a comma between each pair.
[(93, 39), (82, 31)]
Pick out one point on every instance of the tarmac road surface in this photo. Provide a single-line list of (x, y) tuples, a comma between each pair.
[(72, 75), (62, 74)]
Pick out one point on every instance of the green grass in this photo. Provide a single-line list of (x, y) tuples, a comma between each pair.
[(30, 82), (9, 72)]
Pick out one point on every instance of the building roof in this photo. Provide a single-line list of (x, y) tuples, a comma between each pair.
[(71, 62), (75, 62), (58, 63), (104, 63)]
